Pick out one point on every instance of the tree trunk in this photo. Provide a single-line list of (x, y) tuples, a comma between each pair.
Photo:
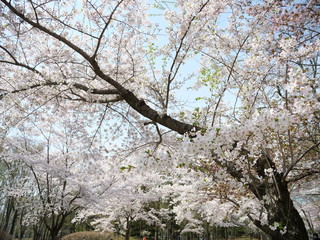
[(7, 215), (54, 234), (156, 233), (128, 230), (271, 189), (285, 223), (13, 222)]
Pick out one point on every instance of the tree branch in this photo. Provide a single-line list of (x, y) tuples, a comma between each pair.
[(136, 103), (299, 159)]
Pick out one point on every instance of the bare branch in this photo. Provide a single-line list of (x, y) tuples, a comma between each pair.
[(304, 175), (105, 28), (289, 169), (99, 126), (170, 77)]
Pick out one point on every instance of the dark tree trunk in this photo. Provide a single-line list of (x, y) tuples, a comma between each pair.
[(280, 211), (156, 233), (57, 222), (40, 231), (54, 234), (22, 227), (128, 230), (8, 212), (13, 222), (284, 221)]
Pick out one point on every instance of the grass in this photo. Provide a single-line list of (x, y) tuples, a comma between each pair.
[(90, 236), (93, 236)]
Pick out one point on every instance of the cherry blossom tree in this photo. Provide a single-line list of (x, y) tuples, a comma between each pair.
[(256, 136), (58, 171), (119, 205), (12, 211)]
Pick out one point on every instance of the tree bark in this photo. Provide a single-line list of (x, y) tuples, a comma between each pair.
[(285, 222), (54, 234), (13, 222), (128, 228), (7, 215)]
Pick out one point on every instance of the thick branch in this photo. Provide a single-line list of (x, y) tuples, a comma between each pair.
[(263, 227), (75, 85), (137, 104), (165, 120)]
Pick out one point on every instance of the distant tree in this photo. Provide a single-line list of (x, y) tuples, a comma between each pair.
[(56, 172)]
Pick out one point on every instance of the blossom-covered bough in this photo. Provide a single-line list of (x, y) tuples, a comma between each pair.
[(264, 61)]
